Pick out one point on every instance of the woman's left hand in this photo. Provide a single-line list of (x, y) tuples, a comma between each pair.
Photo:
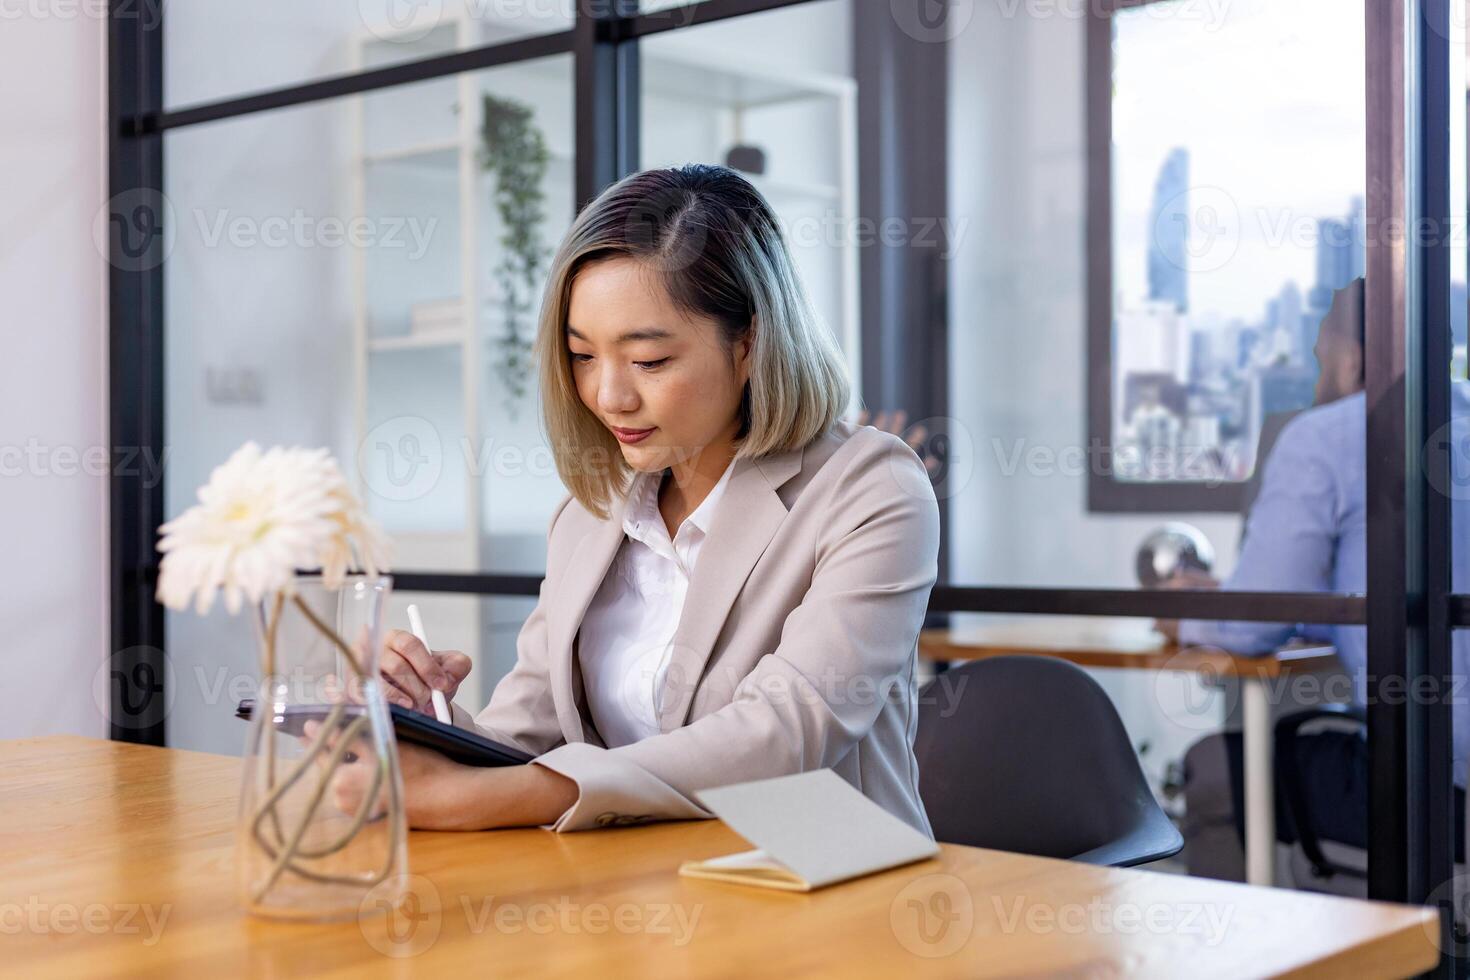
[(435, 788), (440, 794)]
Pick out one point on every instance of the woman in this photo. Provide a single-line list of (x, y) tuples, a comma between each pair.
[(736, 581)]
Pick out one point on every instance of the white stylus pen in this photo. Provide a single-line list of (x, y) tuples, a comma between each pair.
[(416, 624)]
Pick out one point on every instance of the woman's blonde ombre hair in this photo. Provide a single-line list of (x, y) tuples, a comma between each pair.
[(712, 240)]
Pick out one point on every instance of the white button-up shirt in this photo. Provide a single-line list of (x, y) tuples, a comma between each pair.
[(627, 634)]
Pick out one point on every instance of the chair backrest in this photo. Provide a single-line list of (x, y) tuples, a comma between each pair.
[(1027, 753)]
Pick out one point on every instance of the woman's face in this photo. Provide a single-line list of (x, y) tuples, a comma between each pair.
[(641, 364)]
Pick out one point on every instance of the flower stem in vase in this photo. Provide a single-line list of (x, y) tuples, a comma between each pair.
[(269, 672), (285, 854)]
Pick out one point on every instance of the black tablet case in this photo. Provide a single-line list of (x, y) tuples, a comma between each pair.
[(413, 728)]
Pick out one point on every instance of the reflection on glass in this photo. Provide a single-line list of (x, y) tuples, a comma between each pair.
[(1457, 484), (258, 341), (525, 199), (477, 170), (345, 274), (1238, 177), (1307, 532)]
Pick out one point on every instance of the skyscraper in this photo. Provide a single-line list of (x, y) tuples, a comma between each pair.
[(1287, 320), (1168, 273)]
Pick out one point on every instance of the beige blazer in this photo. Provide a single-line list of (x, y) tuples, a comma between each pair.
[(795, 650)]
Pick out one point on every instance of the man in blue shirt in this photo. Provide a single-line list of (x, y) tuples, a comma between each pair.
[(1307, 530)]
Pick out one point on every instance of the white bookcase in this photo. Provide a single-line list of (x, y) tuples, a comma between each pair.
[(417, 157)]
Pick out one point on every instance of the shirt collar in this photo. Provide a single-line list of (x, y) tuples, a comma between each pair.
[(642, 513), (704, 514)]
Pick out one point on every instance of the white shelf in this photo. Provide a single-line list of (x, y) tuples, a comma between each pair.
[(416, 341), (443, 156)]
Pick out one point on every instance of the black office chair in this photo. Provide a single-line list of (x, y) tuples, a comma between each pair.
[(1033, 758), (1322, 781), (1297, 782)]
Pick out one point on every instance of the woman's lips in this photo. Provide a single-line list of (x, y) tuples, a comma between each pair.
[(630, 436)]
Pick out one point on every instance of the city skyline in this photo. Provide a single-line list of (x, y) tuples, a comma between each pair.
[(1192, 389)]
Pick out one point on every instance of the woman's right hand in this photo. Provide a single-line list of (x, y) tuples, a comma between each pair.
[(410, 671)]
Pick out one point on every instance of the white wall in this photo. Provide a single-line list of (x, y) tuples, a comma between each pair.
[(53, 399)]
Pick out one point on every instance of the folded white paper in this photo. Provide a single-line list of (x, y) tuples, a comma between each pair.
[(810, 829)]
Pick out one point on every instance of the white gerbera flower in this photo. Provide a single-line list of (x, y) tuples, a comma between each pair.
[(261, 517)]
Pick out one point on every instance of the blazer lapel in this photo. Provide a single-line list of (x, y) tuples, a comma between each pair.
[(568, 604), (745, 521)]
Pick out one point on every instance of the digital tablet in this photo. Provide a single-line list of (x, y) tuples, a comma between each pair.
[(413, 728)]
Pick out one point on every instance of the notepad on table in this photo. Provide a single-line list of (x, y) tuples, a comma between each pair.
[(810, 829)]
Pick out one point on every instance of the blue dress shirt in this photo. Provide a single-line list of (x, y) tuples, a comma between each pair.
[(1307, 532)]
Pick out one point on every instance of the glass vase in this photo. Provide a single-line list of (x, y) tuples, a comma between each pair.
[(300, 853)]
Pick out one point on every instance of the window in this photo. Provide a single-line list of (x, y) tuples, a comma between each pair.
[(1233, 153)]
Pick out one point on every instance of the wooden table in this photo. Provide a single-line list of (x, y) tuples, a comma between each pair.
[(116, 859), (1123, 644)]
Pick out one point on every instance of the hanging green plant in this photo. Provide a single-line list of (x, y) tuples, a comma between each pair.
[(514, 150)]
